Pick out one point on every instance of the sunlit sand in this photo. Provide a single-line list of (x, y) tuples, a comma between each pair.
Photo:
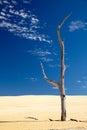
[(35, 112)]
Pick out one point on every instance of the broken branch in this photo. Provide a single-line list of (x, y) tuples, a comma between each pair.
[(56, 84)]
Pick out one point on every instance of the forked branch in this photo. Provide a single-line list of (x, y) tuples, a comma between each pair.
[(56, 84)]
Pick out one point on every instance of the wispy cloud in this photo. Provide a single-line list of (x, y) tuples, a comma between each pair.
[(39, 52), (27, 1), (77, 25), (33, 79), (3, 18), (82, 83), (42, 55), (21, 22), (46, 59), (14, 2), (55, 88), (79, 81), (54, 65), (84, 86)]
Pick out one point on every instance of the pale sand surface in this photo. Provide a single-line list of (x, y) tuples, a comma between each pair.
[(16, 113)]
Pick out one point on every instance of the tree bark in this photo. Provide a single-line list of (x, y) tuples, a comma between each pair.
[(60, 84), (62, 88)]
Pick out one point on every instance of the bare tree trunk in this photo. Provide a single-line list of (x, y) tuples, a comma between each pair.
[(62, 88), (60, 84)]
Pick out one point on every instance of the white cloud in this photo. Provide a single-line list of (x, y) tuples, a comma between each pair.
[(82, 83), (42, 55), (53, 66), (13, 27), (2, 13), (11, 6), (2, 18), (39, 52), (14, 2), (84, 86), (45, 40), (20, 13), (77, 25), (8, 16), (5, 24), (45, 59), (55, 88), (33, 79), (21, 22), (34, 20), (6, 2), (79, 81), (27, 1), (85, 78)]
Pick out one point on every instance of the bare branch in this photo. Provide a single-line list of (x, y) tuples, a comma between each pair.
[(59, 27), (43, 72), (56, 84)]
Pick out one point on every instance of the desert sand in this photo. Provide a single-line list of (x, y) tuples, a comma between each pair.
[(35, 112)]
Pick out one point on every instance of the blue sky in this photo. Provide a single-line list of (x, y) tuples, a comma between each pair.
[(28, 36)]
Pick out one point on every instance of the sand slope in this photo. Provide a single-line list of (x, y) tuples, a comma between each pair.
[(34, 112)]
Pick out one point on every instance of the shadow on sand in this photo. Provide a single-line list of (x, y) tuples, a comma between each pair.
[(33, 119)]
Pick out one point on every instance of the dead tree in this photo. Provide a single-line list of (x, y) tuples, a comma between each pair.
[(60, 84)]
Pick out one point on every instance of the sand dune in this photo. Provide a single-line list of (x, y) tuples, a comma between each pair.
[(35, 112)]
